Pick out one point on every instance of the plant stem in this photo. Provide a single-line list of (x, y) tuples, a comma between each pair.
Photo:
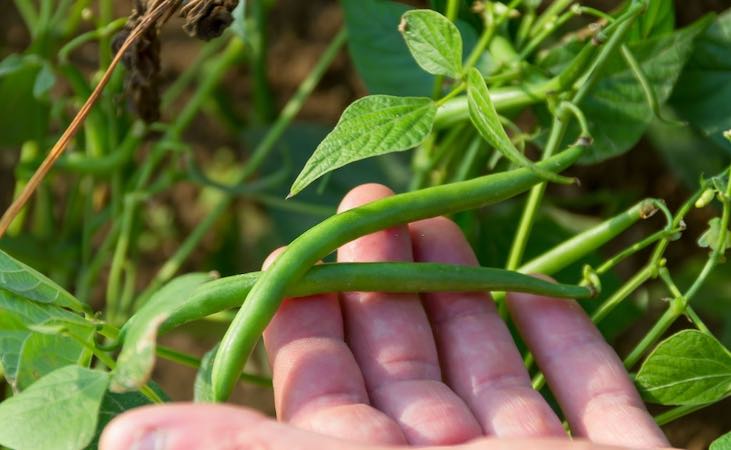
[(29, 15), (558, 129), (646, 273), (488, 33), (678, 412), (195, 363), (679, 305)]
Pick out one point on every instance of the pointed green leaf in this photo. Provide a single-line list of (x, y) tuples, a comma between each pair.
[(137, 358), (379, 53), (487, 122), (722, 443), (20, 347), (28, 283), (59, 411), (374, 125), (434, 42), (704, 89), (688, 368)]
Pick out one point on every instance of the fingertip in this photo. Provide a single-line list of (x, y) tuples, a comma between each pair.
[(272, 257), (439, 239), (365, 193), (179, 426)]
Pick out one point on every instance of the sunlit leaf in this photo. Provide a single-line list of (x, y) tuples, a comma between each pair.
[(30, 284), (59, 411), (374, 125), (722, 443), (688, 368), (434, 41)]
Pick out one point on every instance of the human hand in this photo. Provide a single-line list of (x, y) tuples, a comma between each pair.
[(371, 370)]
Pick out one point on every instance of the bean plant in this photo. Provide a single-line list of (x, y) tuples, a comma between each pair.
[(472, 108)]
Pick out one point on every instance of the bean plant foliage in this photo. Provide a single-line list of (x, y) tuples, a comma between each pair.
[(489, 100)]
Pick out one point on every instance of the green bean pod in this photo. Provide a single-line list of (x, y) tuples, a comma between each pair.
[(316, 243), (226, 293)]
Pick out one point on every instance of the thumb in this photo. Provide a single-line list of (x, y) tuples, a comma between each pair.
[(185, 426)]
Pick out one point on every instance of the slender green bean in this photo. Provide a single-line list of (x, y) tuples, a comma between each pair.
[(569, 251), (225, 293), (319, 241)]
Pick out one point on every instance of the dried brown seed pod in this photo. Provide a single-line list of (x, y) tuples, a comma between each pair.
[(207, 19)]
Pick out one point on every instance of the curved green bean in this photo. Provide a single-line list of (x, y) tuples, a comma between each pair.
[(321, 240), (225, 293)]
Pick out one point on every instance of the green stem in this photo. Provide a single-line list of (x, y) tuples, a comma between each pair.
[(119, 259), (679, 305), (668, 318), (195, 363), (29, 15), (549, 15), (530, 211), (487, 34), (606, 52), (678, 412), (646, 273)]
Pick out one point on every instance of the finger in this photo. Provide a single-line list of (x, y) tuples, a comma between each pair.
[(221, 427), (393, 343), (584, 373), (317, 383), (211, 427), (479, 358)]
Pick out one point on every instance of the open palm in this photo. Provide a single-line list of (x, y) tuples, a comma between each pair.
[(374, 369)]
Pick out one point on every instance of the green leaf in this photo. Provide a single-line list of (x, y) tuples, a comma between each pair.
[(711, 238), (57, 412), (617, 108), (658, 19), (30, 284), (703, 94), (26, 356), (688, 368), (484, 117), (42, 354), (137, 358), (374, 125), (434, 42), (379, 53), (722, 443), (202, 389)]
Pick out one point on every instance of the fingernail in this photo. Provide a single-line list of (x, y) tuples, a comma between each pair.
[(152, 440)]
